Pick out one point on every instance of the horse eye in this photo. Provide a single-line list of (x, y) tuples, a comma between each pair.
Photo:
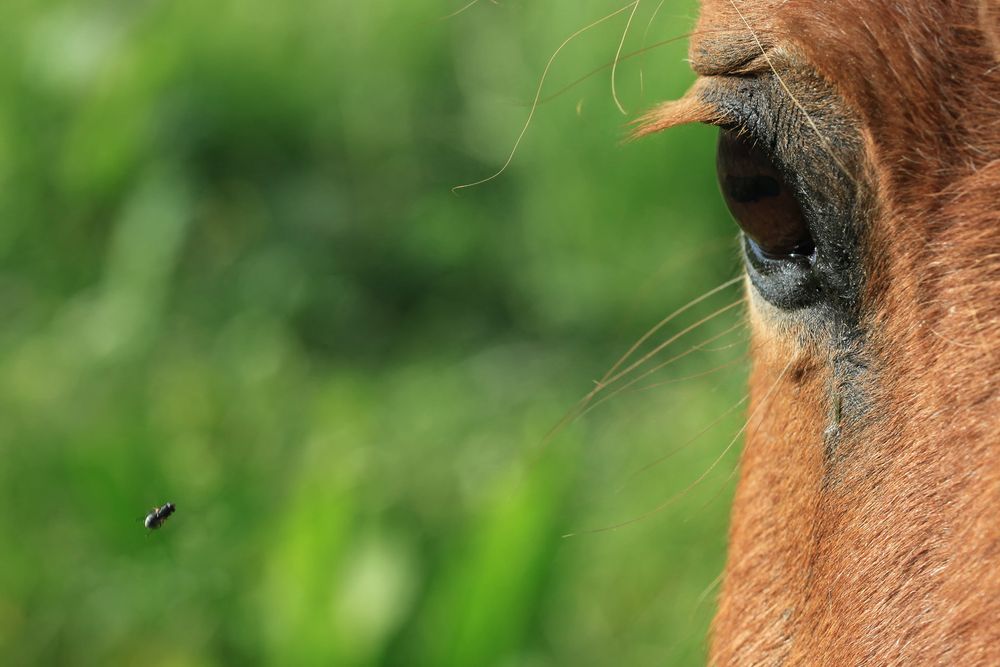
[(759, 199)]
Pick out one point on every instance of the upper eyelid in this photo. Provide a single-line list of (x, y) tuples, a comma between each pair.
[(746, 119), (755, 122), (713, 100)]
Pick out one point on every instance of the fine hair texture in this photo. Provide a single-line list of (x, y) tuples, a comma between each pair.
[(889, 552)]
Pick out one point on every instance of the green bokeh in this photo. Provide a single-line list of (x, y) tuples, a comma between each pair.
[(234, 276)]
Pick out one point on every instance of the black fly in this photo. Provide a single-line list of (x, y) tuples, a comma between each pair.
[(158, 515)]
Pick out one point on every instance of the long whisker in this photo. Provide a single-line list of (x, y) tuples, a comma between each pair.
[(791, 95), (609, 64), (573, 413), (721, 348), (458, 11), (659, 367), (538, 95), (614, 66), (708, 590), (690, 441), (704, 475), (659, 348), (664, 322), (728, 364), (729, 477), (628, 56), (694, 348), (645, 34)]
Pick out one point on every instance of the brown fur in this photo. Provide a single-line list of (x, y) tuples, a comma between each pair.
[(888, 553)]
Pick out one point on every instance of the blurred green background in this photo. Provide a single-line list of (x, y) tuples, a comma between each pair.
[(235, 277)]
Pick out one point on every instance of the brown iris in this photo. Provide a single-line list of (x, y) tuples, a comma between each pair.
[(759, 199)]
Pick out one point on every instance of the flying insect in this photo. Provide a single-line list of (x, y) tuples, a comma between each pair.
[(158, 515)]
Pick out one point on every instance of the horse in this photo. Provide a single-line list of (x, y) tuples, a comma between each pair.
[(859, 152)]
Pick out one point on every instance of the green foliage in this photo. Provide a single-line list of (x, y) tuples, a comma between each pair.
[(236, 278)]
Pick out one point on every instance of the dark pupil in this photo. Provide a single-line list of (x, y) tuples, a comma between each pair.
[(760, 201), (745, 190)]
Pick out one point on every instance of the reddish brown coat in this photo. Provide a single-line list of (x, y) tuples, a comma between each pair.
[(889, 552)]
